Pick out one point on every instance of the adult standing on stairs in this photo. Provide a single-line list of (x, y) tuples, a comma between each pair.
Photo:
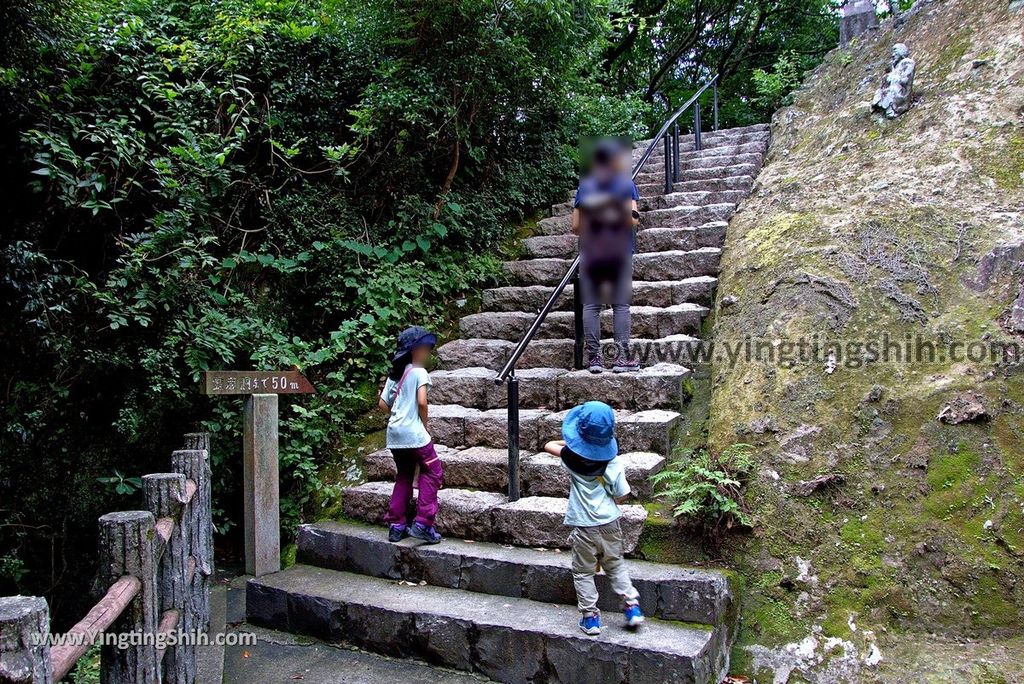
[(604, 217)]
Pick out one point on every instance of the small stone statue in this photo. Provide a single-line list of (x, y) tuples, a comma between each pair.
[(894, 96)]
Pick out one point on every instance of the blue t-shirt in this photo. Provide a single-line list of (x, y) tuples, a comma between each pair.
[(592, 497)]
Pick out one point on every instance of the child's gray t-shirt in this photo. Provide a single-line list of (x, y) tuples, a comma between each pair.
[(405, 429), (592, 498)]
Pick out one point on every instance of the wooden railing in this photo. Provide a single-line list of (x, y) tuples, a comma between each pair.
[(154, 566)]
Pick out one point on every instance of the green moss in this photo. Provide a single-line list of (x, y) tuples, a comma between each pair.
[(288, 554), (953, 482), (1005, 164)]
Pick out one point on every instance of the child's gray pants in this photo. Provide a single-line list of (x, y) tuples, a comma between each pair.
[(589, 546)]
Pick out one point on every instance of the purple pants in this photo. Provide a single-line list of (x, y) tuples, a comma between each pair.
[(431, 477)]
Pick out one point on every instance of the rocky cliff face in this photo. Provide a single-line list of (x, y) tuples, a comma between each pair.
[(861, 228)]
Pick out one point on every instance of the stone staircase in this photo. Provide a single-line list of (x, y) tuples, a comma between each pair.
[(496, 597)]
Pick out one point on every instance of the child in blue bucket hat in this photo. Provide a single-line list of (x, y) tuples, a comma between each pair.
[(404, 397), (597, 484)]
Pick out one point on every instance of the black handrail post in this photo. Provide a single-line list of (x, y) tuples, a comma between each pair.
[(577, 321), (668, 165), (675, 152), (714, 93), (696, 127), (513, 437)]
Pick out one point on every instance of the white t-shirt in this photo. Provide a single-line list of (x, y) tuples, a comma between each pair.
[(405, 429)]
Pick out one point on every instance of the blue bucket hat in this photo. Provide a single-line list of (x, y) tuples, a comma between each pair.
[(589, 430), (413, 337)]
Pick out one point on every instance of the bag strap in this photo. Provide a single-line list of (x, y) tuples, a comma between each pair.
[(398, 385)]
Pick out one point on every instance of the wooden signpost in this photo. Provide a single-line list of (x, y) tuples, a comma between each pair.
[(260, 454)]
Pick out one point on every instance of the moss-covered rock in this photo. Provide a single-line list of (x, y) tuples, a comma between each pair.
[(855, 269)]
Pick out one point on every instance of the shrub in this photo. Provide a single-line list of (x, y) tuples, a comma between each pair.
[(706, 490)]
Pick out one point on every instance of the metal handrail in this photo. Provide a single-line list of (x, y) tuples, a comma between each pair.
[(507, 373)]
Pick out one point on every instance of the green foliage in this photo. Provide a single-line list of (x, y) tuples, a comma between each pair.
[(774, 88), (260, 185), (707, 490)]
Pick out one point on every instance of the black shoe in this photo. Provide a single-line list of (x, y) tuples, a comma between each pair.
[(396, 533)]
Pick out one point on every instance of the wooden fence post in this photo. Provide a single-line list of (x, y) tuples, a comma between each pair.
[(24, 649), (197, 521), (127, 540), (165, 497), (260, 485)]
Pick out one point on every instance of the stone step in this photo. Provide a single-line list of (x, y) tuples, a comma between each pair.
[(656, 386), (541, 474), (513, 640), (710, 136), (755, 145), (654, 217), (488, 353), (452, 424), (699, 290), (708, 160), (646, 321), (655, 188), (700, 198), (683, 215), (711, 234), (726, 136), (533, 521), (564, 246), (703, 173), (666, 591), (672, 265)]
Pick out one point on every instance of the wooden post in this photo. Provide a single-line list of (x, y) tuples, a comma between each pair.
[(262, 506), (126, 547), (24, 649), (165, 497), (197, 520)]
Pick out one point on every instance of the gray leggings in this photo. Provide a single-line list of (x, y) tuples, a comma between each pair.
[(620, 282)]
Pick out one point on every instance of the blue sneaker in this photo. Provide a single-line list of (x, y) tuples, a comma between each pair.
[(396, 533), (591, 624), (634, 617), (424, 533)]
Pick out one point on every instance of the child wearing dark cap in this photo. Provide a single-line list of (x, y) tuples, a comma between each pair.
[(597, 484), (405, 397)]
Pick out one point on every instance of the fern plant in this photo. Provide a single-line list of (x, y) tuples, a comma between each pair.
[(707, 489)]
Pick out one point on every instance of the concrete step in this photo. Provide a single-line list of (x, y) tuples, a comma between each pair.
[(703, 173), (698, 290), (513, 640), (649, 430), (673, 265), (656, 386), (666, 591), (646, 321), (541, 474), (655, 188), (533, 521), (489, 353)]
